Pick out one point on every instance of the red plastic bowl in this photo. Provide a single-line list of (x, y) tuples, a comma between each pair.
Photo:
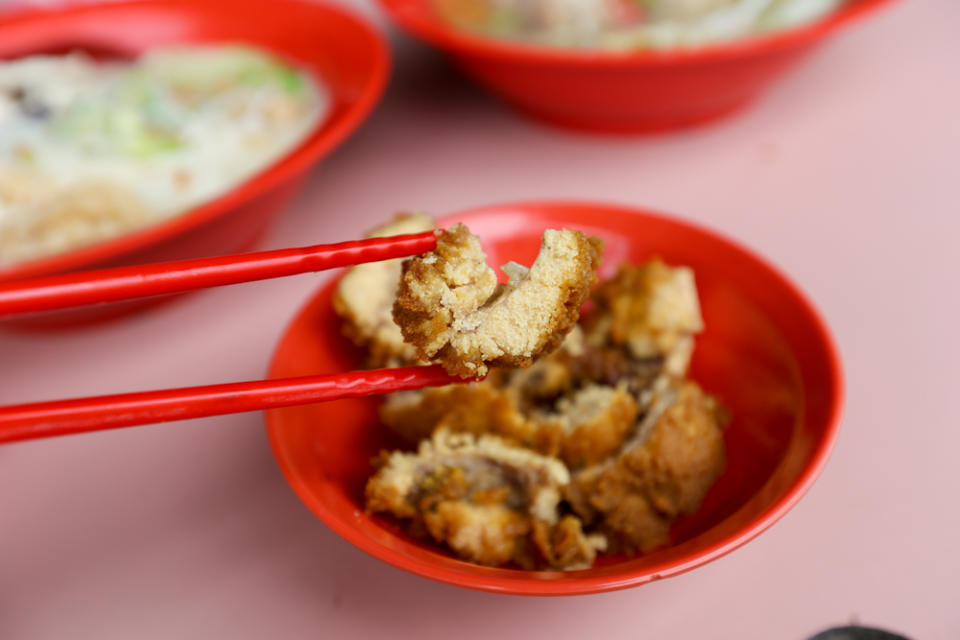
[(340, 50), (634, 91), (766, 352)]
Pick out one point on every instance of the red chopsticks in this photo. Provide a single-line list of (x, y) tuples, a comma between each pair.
[(111, 285), (64, 417), (45, 419)]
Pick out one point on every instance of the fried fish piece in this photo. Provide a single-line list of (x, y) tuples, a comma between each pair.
[(501, 405), (591, 424), (365, 294), (548, 407), (489, 502), (652, 310), (451, 309), (477, 407), (663, 473)]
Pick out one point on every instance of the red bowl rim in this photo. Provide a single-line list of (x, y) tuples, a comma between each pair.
[(446, 37), (589, 585), (323, 137)]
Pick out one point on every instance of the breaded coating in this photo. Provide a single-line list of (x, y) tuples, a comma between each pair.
[(489, 502), (661, 475), (503, 404), (592, 424), (450, 307), (551, 407), (365, 294), (550, 377), (477, 407), (583, 428), (651, 309)]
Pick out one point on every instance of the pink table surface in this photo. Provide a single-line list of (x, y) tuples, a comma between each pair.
[(845, 175)]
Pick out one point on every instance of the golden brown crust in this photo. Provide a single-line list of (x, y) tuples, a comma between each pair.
[(564, 544), (364, 300), (451, 309), (650, 311), (551, 407), (636, 497), (598, 421), (488, 502), (477, 408)]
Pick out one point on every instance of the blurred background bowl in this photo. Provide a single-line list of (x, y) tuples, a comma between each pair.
[(765, 352), (623, 92), (342, 53)]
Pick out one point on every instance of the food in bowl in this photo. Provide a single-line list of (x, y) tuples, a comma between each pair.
[(598, 443), (629, 24), (90, 150), (365, 295), (450, 307)]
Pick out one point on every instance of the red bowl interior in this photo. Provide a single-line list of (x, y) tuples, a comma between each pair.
[(765, 352), (337, 48), (631, 91)]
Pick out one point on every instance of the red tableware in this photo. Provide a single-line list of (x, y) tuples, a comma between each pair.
[(81, 415), (99, 413), (622, 92), (339, 49), (766, 352), (124, 283)]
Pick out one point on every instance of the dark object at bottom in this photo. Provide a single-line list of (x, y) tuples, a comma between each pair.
[(856, 633)]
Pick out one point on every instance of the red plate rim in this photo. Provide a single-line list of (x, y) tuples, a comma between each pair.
[(435, 31)]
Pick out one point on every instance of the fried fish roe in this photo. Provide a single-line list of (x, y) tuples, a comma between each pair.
[(451, 309), (364, 299), (660, 476), (652, 310), (489, 502)]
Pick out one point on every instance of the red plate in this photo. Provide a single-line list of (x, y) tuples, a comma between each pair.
[(337, 48), (766, 352), (632, 91)]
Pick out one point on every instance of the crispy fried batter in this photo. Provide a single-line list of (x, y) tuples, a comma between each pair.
[(364, 299), (489, 502), (551, 407), (450, 307), (477, 407), (592, 423), (635, 497), (651, 309)]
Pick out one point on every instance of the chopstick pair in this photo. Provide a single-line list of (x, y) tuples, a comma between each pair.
[(45, 419)]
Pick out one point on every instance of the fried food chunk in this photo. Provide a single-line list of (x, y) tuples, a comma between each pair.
[(365, 294), (592, 424), (477, 407), (662, 474), (596, 419), (451, 309), (652, 310), (550, 408), (489, 502)]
